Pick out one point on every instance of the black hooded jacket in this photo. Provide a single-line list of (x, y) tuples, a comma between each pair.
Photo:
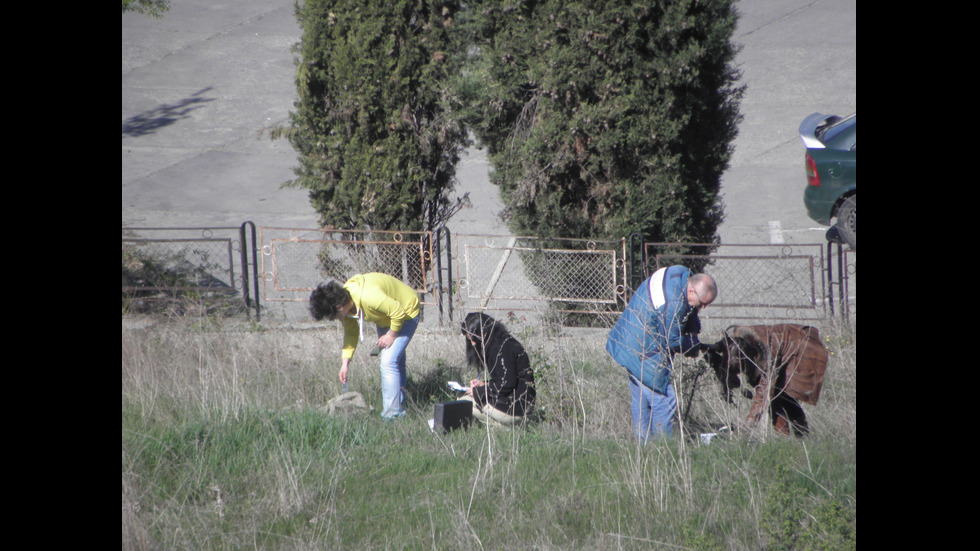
[(510, 380)]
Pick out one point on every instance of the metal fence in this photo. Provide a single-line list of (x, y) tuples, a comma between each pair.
[(842, 278), (204, 264), (294, 261), (763, 282), (483, 272), (499, 272)]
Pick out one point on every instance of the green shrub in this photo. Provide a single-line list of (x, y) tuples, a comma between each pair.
[(605, 118)]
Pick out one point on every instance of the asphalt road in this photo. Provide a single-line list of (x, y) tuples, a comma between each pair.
[(798, 57), (201, 86)]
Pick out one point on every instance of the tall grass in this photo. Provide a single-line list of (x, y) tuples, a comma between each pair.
[(225, 446)]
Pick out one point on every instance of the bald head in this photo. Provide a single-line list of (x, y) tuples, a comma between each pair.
[(704, 288)]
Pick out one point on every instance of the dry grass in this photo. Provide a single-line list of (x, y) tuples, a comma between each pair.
[(224, 447)]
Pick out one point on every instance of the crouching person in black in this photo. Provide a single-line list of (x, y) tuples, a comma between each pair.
[(503, 393)]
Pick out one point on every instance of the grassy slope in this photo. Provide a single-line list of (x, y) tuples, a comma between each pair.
[(224, 447)]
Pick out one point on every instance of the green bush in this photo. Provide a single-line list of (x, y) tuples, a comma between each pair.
[(600, 118), (374, 126), (605, 118)]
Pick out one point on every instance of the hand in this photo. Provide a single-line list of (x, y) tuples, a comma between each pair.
[(693, 352), (700, 348), (473, 384), (344, 367), (386, 340)]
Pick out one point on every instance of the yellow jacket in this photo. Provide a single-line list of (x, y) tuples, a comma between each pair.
[(380, 299)]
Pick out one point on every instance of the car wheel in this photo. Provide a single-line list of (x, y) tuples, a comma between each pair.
[(847, 221)]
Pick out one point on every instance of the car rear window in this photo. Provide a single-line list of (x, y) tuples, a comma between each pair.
[(842, 134)]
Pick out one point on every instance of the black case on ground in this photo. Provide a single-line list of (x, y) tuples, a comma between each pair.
[(453, 415)]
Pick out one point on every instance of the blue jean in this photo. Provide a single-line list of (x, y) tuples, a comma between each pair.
[(652, 412), (393, 373)]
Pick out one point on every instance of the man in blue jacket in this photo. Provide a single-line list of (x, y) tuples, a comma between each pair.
[(660, 320)]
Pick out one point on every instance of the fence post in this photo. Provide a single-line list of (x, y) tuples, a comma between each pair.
[(255, 274), (829, 291), (843, 285), (449, 270), (834, 237), (637, 268)]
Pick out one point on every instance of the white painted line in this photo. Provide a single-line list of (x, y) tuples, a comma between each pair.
[(775, 233)]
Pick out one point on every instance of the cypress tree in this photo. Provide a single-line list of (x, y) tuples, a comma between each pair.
[(374, 125), (602, 118)]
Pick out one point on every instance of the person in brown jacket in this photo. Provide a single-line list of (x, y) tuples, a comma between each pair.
[(784, 363)]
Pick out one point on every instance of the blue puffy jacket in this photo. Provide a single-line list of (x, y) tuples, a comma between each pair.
[(657, 323)]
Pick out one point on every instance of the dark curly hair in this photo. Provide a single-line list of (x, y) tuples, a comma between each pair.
[(327, 299), (483, 329)]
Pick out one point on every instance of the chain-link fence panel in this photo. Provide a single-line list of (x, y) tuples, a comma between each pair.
[(294, 261), (778, 282), (505, 273), (163, 266)]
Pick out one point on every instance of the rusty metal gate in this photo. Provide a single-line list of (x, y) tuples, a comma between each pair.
[(759, 282), (505, 273), (295, 260)]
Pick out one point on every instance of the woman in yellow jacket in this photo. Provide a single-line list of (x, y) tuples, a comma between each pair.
[(385, 301)]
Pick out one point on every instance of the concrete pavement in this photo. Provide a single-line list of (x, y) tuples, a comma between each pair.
[(202, 85)]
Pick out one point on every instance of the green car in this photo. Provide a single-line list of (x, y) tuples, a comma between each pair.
[(831, 172)]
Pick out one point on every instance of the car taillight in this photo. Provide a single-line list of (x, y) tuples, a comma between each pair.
[(812, 178)]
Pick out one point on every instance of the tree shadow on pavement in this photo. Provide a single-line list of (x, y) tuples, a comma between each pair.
[(164, 115)]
